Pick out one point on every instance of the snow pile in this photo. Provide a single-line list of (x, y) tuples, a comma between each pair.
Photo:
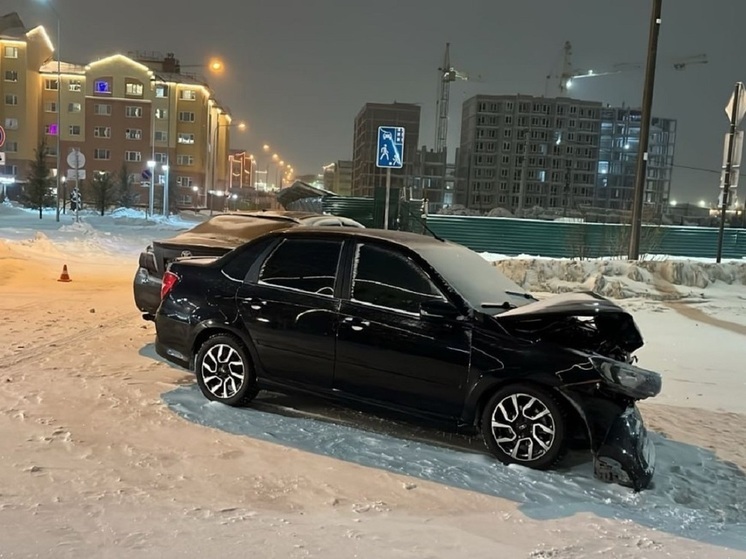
[(620, 279), (123, 231)]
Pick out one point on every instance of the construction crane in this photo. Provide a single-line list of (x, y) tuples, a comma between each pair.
[(569, 73), (446, 75)]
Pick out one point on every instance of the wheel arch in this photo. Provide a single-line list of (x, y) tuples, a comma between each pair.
[(576, 418), (209, 328)]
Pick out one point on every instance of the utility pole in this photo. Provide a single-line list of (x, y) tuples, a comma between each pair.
[(642, 156)]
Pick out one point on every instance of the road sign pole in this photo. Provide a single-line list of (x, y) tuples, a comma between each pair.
[(388, 199), (734, 117)]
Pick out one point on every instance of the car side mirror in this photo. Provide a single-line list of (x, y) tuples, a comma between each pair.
[(438, 309)]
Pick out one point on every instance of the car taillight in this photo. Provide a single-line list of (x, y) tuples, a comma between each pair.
[(169, 280)]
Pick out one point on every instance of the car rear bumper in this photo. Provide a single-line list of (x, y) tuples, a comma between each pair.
[(627, 455), (147, 291)]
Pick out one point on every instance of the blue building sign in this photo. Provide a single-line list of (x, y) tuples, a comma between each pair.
[(390, 147)]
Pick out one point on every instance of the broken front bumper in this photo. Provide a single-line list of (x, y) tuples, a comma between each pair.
[(627, 455)]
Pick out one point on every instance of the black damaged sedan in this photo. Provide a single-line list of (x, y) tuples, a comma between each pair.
[(419, 326)]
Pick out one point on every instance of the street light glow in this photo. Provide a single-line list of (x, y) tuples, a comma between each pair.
[(216, 65)]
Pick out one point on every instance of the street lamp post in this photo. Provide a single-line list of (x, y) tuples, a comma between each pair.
[(165, 190), (195, 189), (59, 108), (151, 194), (64, 194)]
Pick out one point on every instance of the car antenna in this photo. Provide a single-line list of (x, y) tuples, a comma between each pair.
[(424, 224)]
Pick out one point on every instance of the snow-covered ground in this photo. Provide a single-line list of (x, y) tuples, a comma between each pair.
[(103, 453)]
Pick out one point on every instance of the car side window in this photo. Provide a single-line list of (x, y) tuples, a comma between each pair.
[(385, 278), (238, 267), (304, 264)]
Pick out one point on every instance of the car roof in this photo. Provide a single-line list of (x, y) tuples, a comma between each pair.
[(404, 238)]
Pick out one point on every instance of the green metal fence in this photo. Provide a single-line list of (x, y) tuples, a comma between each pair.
[(557, 239)]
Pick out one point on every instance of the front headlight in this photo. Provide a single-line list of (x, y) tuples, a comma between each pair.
[(633, 381)]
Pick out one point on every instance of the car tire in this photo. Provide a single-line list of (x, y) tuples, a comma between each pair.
[(526, 425), (224, 371)]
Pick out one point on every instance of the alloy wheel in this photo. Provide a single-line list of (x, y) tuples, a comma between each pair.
[(223, 371), (523, 427)]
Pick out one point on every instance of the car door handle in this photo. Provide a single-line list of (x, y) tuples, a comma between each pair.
[(356, 323), (255, 304)]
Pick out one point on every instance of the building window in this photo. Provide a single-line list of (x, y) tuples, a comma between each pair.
[(132, 156), (102, 154), (133, 134), (102, 109), (161, 157), (161, 91), (186, 138), (184, 160), (75, 85), (102, 132), (51, 85), (11, 99), (184, 181), (134, 112), (188, 95), (11, 52), (50, 107), (161, 136), (102, 87), (11, 147), (74, 107), (11, 123), (133, 89), (186, 116), (161, 113), (74, 130), (11, 76), (50, 129)]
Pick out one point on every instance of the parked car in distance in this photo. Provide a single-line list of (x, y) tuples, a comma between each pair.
[(415, 325), (214, 237)]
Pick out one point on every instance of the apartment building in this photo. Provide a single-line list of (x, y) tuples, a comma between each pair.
[(518, 151), (108, 113), (618, 154), (338, 177), (22, 53)]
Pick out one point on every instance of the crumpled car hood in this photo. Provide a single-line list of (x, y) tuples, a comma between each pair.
[(571, 304), (565, 319)]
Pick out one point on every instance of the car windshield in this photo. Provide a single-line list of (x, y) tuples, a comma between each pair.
[(480, 283)]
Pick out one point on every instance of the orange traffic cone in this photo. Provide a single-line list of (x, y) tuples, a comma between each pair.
[(64, 276)]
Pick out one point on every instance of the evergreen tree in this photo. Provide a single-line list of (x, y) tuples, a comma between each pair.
[(124, 185), (38, 193), (103, 191), (173, 193)]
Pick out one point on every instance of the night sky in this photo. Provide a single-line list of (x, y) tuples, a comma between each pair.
[(298, 71)]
